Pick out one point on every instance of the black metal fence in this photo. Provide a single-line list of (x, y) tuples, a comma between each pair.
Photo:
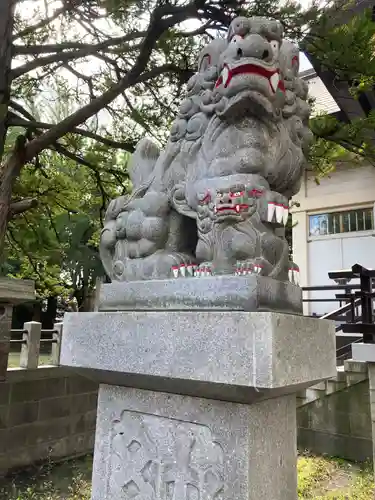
[(355, 312)]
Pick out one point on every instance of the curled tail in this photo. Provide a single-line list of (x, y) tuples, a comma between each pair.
[(142, 163)]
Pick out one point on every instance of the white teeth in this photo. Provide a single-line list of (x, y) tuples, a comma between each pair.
[(190, 269), (183, 270), (271, 211), (237, 208), (279, 213), (296, 276), (282, 212), (175, 271), (274, 81), (293, 275), (225, 75), (285, 215)]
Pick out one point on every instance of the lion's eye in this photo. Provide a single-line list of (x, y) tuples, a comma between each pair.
[(275, 47), (236, 38)]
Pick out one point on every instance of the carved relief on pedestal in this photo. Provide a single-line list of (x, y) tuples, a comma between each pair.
[(157, 458)]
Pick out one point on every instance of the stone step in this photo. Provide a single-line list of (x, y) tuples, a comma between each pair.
[(340, 375), (351, 373), (313, 394), (334, 386), (319, 387), (300, 402), (355, 378), (355, 366)]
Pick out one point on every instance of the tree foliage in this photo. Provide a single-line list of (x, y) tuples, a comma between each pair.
[(347, 51), (88, 78)]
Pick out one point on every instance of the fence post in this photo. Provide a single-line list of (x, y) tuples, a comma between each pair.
[(56, 345), (30, 350)]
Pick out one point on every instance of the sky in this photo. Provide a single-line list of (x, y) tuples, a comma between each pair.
[(30, 5), (49, 98)]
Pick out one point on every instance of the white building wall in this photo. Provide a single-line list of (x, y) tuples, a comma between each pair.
[(346, 188), (323, 101)]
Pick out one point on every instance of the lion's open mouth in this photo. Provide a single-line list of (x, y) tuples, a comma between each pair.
[(273, 76), (229, 209)]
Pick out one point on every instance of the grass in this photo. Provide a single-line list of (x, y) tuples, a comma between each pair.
[(318, 478), (324, 478), (14, 359), (70, 480)]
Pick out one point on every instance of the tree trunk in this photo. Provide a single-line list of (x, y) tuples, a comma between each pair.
[(49, 316), (6, 29), (10, 170)]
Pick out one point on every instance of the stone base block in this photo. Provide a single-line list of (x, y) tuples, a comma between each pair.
[(243, 293), (233, 356), (158, 446)]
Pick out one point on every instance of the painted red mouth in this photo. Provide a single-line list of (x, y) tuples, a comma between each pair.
[(231, 208), (273, 76)]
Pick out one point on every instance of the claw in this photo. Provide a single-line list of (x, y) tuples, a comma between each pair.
[(247, 269), (182, 270), (258, 268)]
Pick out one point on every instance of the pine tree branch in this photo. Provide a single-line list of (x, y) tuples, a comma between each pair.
[(20, 109), (67, 7), (61, 47), (158, 25), (18, 207), (60, 57), (65, 126), (68, 154), (15, 121)]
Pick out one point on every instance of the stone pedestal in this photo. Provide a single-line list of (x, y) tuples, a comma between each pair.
[(12, 292), (197, 404), (165, 446)]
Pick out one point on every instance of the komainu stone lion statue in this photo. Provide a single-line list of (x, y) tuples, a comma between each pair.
[(215, 201)]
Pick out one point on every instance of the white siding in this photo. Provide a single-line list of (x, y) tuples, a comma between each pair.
[(343, 180), (331, 254), (324, 102)]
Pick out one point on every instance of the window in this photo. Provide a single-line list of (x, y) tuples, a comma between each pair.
[(341, 222)]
